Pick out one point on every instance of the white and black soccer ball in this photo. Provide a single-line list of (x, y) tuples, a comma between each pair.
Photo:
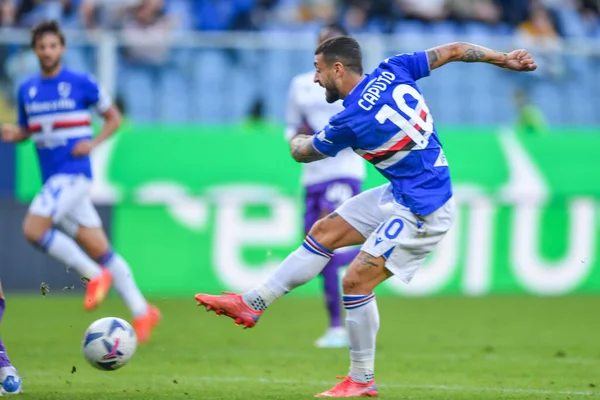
[(109, 343)]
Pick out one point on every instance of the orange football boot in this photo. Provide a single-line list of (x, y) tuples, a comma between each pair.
[(97, 290), (349, 388), (146, 323), (232, 306)]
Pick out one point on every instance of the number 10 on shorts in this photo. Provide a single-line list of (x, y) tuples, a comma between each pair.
[(391, 228)]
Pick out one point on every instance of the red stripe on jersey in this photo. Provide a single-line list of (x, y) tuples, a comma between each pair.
[(35, 128), (71, 124), (423, 115), (398, 146), (61, 125)]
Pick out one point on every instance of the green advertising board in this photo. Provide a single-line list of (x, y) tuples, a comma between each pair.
[(204, 209)]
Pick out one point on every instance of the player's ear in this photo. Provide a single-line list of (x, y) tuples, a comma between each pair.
[(338, 68)]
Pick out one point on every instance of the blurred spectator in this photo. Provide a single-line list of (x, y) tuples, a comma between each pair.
[(474, 10), (514, 11), (32, 12), (318, 10), (358, 13), (539, 34), (8, 12), (105, 13), (148, 29), (589, 10), (427, 10)]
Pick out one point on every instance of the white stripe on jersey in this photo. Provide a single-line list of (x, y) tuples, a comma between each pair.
[(59, 137), (60, 117)]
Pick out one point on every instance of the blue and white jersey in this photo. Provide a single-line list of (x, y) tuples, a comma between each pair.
[(387, 122), (55, 111)]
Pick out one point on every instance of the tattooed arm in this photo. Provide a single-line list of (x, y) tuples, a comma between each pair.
[(518, 60), (303, 150)]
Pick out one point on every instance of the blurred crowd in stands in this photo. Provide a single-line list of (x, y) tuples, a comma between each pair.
[(151, 75), (547, 17)]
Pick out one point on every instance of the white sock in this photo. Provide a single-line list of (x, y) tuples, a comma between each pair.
[(124, 283), (64, 249), (362, 322), (299, 267)]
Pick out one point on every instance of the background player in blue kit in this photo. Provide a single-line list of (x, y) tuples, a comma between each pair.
[(54, 113), (327, 183), (10, 381), (387, 122)]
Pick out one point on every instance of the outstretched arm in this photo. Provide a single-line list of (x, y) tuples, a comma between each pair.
[(303, 150), (518, 60)]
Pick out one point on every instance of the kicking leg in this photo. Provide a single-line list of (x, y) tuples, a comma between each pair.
[(95, 242), (10, 381), (299, 267), (362, 322)]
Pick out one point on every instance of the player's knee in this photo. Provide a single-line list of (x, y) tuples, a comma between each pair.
[(321, 232), (351, 284), (330, 233), (33, 231)]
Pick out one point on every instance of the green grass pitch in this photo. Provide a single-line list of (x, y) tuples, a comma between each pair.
[(428, 349)]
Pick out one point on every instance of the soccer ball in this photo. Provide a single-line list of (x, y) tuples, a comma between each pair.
[(109, 343)]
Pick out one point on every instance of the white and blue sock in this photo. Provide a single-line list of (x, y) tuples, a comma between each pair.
[(362, 323), (124, 283), (299, 267), (65, 250)]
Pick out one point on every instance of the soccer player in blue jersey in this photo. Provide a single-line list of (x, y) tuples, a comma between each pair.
[(327, 183), (10, 381), (387, 122), (53, 111)]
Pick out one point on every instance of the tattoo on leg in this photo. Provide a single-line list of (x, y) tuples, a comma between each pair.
[(366, 259)]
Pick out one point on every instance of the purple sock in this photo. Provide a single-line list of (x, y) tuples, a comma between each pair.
[(4, 361), (331, 285)]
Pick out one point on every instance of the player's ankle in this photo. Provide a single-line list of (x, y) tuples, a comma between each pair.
[(362, 376)]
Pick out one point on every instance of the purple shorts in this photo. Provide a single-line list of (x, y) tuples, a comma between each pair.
[(325, 197)]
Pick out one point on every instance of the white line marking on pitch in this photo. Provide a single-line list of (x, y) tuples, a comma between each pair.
[(401, 386)]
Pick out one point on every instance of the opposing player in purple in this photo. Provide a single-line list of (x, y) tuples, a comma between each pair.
[(10, 381), (53, 109), (327, 183), (388, 123)]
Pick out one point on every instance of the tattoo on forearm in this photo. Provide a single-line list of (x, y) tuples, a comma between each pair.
[(303, 149), (473, 55), (433, 56), (367, 260), (465, 52)]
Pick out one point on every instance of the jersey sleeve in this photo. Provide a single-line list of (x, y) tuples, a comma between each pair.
[(333, 139), (95, 96), (293, 114), (21, 114), (415, 64)]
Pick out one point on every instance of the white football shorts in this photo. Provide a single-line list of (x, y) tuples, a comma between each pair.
[(66, 198), (393, 231)]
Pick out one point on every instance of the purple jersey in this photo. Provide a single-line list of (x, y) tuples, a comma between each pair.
[(387, 122), (55, 111)]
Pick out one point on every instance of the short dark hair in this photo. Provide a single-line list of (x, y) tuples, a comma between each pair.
[(342, 49), (335, 27), (45, 27)]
